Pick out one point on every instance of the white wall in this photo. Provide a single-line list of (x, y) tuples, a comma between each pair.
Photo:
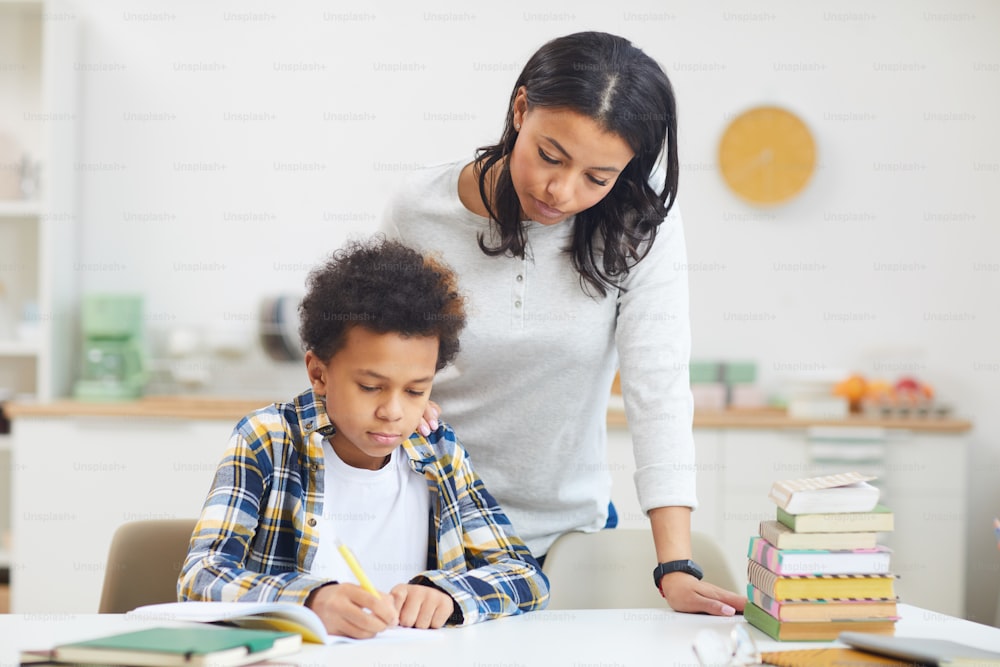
[(227, 147)]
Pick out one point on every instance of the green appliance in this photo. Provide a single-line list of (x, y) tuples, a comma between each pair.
[(111, 367)]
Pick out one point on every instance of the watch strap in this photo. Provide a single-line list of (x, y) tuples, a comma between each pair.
[(687, 566)]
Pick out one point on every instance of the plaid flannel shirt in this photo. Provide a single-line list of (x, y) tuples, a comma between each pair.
[(257, 534)]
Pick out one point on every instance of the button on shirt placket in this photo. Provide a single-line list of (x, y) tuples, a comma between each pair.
[(314, 473), (314, 469), (519, 279)]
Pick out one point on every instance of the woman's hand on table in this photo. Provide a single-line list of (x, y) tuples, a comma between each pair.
[(689, 594)]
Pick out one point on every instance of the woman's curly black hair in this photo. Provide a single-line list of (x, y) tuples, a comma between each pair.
[(386, 287)]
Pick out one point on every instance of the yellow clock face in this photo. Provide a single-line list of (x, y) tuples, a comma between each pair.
[(767, 155)]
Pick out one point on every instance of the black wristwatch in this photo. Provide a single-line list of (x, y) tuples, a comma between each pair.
[(688, 566)]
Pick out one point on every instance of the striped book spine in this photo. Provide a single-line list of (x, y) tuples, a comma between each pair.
[(765, 580)]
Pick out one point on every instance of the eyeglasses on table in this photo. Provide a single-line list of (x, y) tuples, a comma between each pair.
[(718, 648)]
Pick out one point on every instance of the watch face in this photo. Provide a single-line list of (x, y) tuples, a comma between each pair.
[(767, 155), (688, 566)]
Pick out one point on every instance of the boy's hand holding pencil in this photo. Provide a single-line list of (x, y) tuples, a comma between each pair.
[(418, 606), (351, 610), (361, 612)]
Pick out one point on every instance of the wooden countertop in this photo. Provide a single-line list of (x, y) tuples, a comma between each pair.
[(179, 407), (772, 419), (233, 409)]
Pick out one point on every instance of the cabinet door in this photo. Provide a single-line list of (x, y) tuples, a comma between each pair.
[(77, 479), (5, 493), (925, 478), (621, 464), (751, 461), (710, 463)]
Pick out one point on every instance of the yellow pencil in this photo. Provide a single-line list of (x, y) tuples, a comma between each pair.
[(355, 566)]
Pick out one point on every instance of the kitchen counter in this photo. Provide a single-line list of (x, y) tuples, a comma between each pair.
[(84, 468), (779, 419), (233, 409), (179, 407)]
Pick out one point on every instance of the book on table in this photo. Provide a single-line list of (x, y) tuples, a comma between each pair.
[(820, 587), (812, 630), (923, 650), (819, 561), (784, 537), (879, 519), (173, 647), (843, 492), (823, 610), (281, 616)]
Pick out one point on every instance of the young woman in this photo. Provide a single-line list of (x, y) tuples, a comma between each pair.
[(566, 239)]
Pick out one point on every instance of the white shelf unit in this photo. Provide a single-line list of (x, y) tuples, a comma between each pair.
[(38, 118), (22, 209), (18, 348)]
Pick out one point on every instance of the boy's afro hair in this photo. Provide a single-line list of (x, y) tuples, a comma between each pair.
[(384, 286)]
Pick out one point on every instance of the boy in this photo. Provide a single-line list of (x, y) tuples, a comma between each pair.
[(342, 461)]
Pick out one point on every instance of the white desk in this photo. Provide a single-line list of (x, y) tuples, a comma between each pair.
[(616, 637)]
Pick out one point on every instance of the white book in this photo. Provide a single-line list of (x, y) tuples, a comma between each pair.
[(844, 492)]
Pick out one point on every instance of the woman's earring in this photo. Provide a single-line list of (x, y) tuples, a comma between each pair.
[(517, 127)]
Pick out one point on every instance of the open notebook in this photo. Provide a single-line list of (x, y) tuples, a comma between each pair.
[(281, 616)]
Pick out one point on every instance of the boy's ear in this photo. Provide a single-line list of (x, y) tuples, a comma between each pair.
[(316, 370)]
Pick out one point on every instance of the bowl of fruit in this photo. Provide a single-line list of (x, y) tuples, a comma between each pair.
[(878, 397)]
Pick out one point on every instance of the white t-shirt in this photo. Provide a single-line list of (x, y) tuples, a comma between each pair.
[(381, 515)]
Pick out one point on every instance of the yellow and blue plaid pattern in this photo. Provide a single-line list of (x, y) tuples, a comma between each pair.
[(257, 536)]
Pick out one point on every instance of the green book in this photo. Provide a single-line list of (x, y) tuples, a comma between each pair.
[(804, 631), (878, 520), (182, 646)]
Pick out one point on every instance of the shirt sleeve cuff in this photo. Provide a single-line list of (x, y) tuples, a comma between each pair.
[(466, 610)]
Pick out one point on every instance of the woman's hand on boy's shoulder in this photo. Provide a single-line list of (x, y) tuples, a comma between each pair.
[(350, 611), (429, 421), (422, 606)]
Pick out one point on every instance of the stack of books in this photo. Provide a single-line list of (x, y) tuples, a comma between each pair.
[(818, 569)]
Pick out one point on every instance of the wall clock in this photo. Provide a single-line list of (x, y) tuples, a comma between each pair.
[(767, 155)]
